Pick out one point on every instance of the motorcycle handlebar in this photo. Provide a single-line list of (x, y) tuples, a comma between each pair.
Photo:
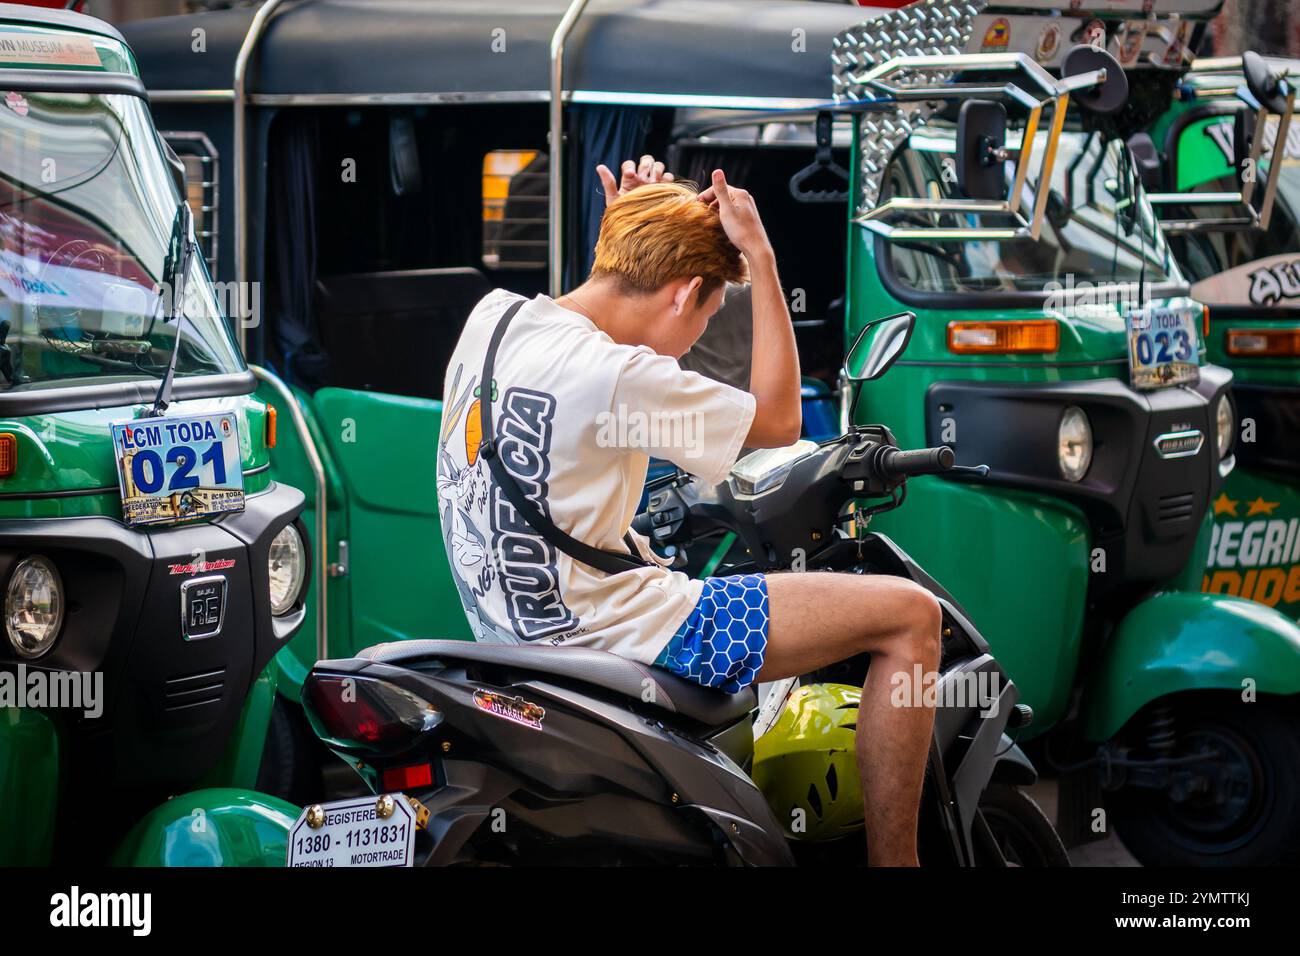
[(919, 461)]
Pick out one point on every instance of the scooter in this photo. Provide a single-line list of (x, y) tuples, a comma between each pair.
[(517, 754)]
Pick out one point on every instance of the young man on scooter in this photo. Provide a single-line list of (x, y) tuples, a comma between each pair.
[(581, 390)]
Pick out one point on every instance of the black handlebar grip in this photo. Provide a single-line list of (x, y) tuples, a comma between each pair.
[(641, 524), (920, 461)]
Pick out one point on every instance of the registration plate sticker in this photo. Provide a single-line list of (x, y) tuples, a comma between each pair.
[(1162, 347), (354, 833), (171, 468)]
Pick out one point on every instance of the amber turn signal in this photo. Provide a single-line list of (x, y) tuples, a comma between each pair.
[(1002, 337), (270, 425), (8, 454), (1262, 343)]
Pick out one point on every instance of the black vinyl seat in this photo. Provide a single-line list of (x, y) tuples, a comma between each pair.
[(599, 668)]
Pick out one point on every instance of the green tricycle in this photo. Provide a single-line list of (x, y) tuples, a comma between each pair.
[(1056, 344), (1237, 237), (151, 567)]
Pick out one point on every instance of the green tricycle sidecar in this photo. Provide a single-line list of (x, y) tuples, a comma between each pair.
[(1236, 237), (151, 567), (1056, 344)]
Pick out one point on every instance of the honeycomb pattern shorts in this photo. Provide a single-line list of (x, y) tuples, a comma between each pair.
[(723, 642)]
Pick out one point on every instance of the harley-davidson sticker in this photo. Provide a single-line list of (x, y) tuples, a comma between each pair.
[(511, 708)]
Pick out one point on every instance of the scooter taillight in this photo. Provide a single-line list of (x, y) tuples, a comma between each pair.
[(365, 714)]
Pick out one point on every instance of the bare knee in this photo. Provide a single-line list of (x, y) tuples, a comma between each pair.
[(918, 619)]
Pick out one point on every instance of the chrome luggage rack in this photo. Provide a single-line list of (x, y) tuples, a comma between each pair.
[(1250, 218), (895, 71)]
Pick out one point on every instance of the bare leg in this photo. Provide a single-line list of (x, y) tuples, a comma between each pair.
[(820, 618)]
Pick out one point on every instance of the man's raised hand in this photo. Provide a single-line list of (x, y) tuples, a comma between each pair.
[(633, 175), (739, 214)]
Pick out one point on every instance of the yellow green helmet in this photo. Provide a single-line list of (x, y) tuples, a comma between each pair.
[(806, 765)]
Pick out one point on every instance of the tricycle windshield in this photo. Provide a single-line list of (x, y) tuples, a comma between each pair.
[(1098, 227), (87, 207)]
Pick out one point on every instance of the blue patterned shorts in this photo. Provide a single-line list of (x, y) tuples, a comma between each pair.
[(723, 642)]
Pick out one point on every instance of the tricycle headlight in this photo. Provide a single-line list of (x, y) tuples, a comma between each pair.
[(1074, 444), (34, 606), (286, 564), (1224, 425)]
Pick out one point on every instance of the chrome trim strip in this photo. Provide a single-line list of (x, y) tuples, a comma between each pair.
[(192, 96), (396, 99), (701, 100), (452, 97), (322, 503)]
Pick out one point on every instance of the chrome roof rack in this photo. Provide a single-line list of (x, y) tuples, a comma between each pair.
[(898, 69)]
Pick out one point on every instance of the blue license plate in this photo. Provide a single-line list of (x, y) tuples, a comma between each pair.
[(171, 468), (1163, 347)]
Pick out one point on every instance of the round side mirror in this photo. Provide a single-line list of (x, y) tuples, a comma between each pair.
[(878, 346), (1268, 89), (1111, 93)]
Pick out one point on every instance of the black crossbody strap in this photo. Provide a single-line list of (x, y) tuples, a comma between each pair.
[(611, 562)]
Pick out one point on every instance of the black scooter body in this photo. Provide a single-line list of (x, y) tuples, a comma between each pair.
[(604, 776)]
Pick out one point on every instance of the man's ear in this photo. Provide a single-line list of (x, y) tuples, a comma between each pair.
[(682, 297)]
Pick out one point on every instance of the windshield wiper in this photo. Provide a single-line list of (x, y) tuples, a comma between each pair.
[(175, 271)]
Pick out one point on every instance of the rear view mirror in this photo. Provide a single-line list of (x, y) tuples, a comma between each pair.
[(981, 149), (1147, 160), (1107, 96), (878, 346)]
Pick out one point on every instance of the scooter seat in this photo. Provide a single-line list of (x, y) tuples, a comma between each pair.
[(599, 668)]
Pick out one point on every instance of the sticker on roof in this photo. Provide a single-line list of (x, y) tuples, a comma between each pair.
[(40, 48)]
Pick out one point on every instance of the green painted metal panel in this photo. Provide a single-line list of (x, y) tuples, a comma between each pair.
[(29, 786), (1181, 641), (215, 827), (1247, 555)]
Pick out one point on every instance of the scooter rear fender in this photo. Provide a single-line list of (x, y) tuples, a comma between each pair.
[(591, 764)]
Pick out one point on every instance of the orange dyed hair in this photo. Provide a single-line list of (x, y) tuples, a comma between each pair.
[(661, 232)]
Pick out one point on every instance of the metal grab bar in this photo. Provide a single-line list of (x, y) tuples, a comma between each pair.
[(322, 503), (555, 162), (246, 49)]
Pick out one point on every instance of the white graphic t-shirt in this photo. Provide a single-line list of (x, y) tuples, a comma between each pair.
[(576, 417)]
